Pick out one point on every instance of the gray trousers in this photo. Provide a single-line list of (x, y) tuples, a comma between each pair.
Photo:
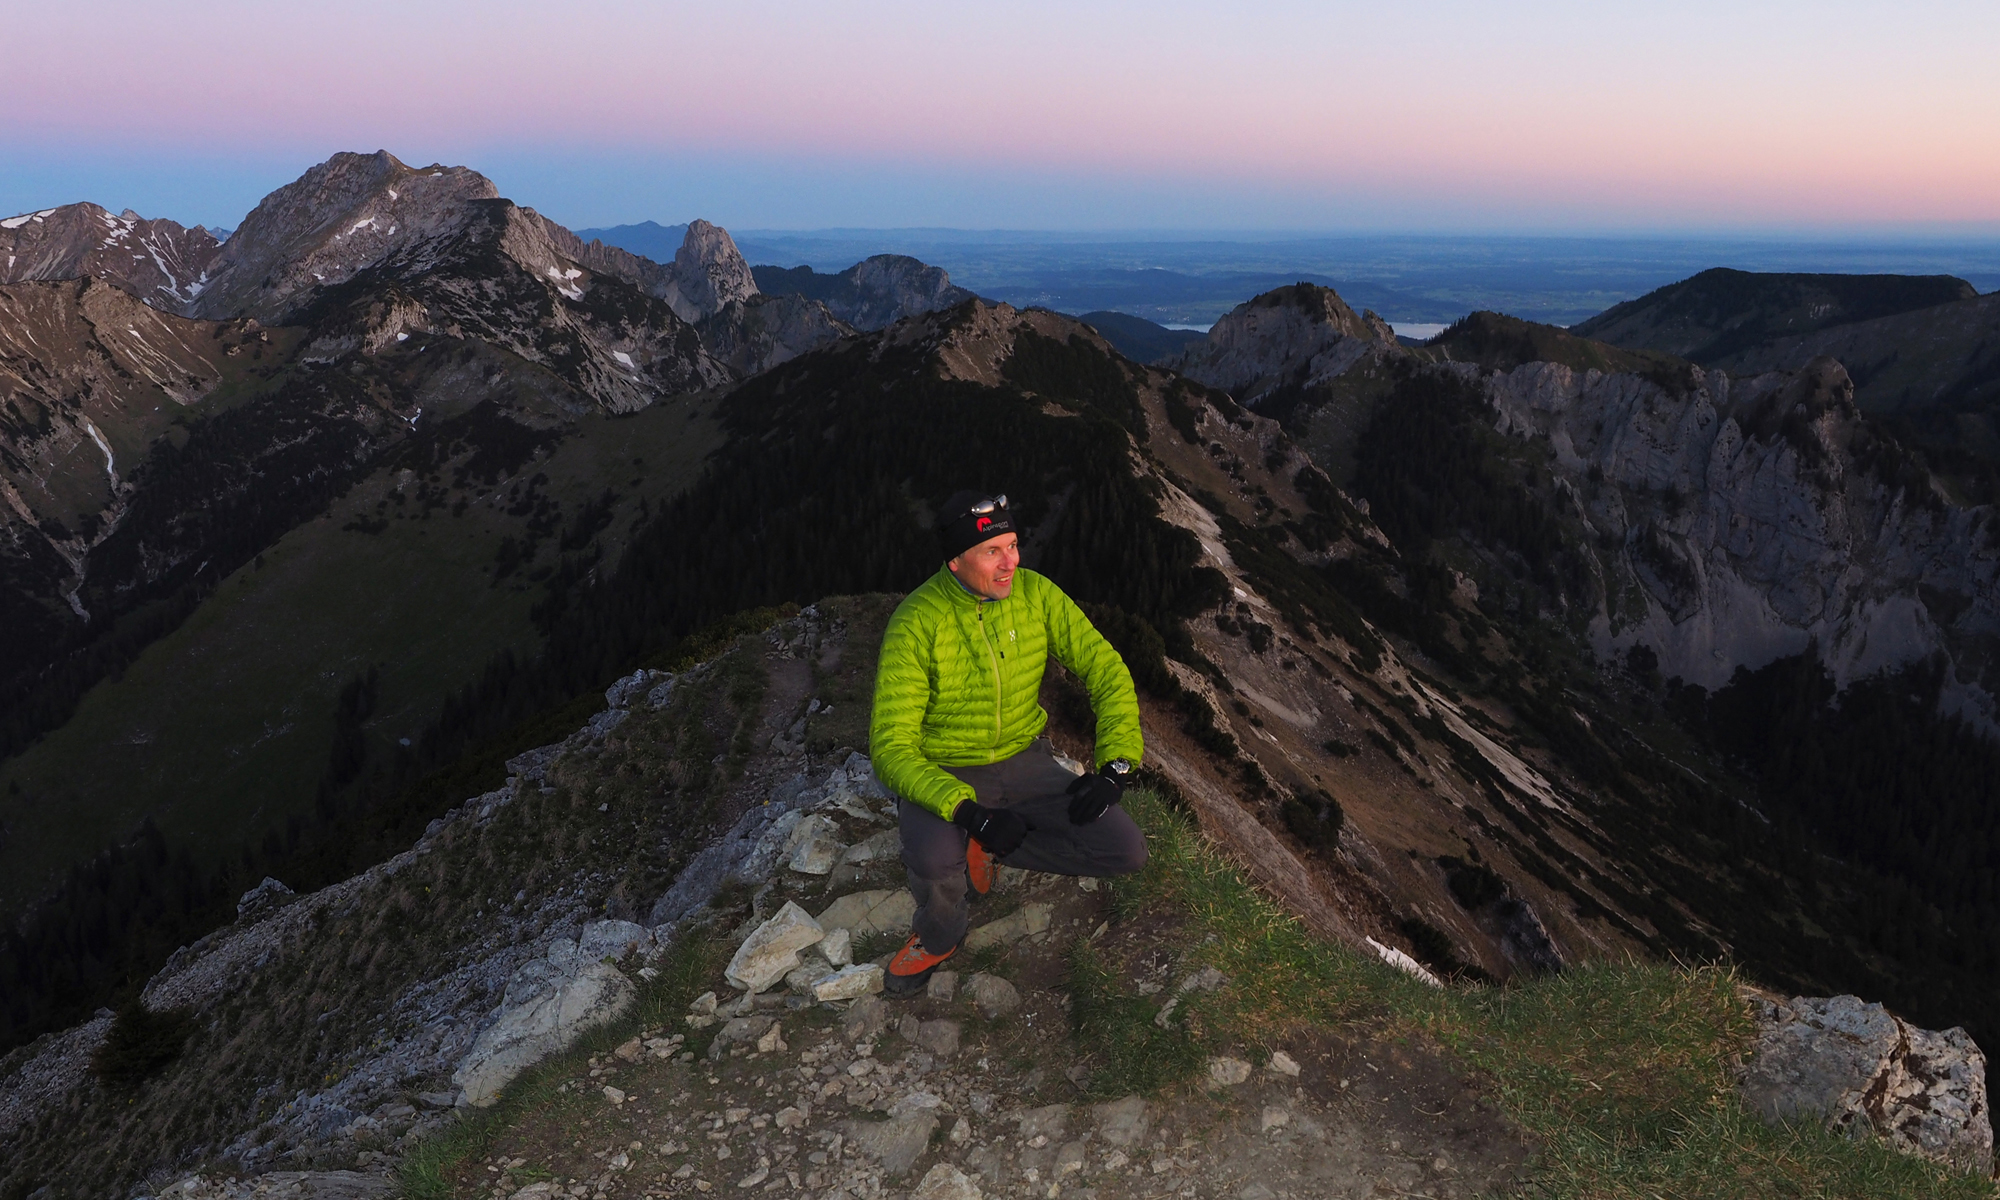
[(1032, 784)]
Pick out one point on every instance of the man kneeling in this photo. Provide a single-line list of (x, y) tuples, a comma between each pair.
[(957, 726)]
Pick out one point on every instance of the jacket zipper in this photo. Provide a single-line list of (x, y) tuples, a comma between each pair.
[(994, 658)]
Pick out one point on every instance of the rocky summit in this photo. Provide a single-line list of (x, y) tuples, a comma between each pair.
[(162, 262), (526, 592), (730, 1032)]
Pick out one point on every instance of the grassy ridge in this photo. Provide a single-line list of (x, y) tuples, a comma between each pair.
[(1622, 1070)]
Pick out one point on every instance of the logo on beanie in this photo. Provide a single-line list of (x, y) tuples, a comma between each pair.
[(982, 523)]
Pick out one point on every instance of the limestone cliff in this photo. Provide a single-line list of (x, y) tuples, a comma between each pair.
[(1745, 518)]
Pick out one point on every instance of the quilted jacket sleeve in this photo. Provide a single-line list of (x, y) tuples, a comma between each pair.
[(896, 724), (1077, 645)]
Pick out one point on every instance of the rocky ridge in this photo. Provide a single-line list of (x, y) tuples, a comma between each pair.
[(811, 1083), (160, 261), (873, 293), (1731, 520)]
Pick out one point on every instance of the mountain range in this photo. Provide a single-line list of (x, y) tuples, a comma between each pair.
[(1519, 648)]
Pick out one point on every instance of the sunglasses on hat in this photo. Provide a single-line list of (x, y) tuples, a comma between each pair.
[(982, 507)]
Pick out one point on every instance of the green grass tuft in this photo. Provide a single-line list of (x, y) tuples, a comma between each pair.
[(1129, 1052)]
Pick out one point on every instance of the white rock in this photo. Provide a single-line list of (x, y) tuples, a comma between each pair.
[(1404, 963), (850, 982), (1283, 1064), (815, 856), (806, 828), (946, 1182), (772, 1041), (811, 969), (881, 911), (539, 1021), (773, 949), (1275, 1117), (1227, 1071), (838, 947), (704, 1005), (614, 1095), (1861, 1069)]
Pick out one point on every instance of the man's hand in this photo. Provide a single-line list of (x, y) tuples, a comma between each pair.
[(1000, 831), (1092, 795)]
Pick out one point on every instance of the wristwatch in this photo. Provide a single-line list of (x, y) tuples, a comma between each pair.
[(1119, 768)]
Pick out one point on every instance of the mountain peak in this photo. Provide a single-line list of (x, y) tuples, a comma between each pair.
[(160, 261), (340, 217), (709, 272), (1293, 336)]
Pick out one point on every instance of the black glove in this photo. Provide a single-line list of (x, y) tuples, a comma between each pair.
[(1091, 796), (1000, 831)]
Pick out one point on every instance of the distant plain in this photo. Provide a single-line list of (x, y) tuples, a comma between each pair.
[(1408, 279)]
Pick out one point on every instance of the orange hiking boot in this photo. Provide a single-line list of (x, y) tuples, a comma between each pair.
[(911, 969), (978, 867)]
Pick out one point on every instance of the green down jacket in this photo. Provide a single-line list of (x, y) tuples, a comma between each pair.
[(959, 678)]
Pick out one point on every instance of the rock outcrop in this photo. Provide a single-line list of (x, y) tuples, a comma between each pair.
[(755, 334), (162, 262), (709, 273), (873, 293), (1867, 1072), (1749, 518), (1294, 337)]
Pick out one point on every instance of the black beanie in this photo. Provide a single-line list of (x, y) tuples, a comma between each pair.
[(960, 529)]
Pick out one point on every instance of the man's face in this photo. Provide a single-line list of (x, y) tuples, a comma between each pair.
[(988, 569)]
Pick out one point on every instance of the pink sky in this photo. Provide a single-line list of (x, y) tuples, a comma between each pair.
[(1534, 115)]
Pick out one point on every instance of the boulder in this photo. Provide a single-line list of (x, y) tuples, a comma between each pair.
[(946, 1182), (849, 983), (1865, 1071), (816, 855), (838, 947), (1227, 1071), (262, 900), (812, 968), (992, 995), (1123, 1122), (940, 1037), (773, 949), (542, 1012)]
